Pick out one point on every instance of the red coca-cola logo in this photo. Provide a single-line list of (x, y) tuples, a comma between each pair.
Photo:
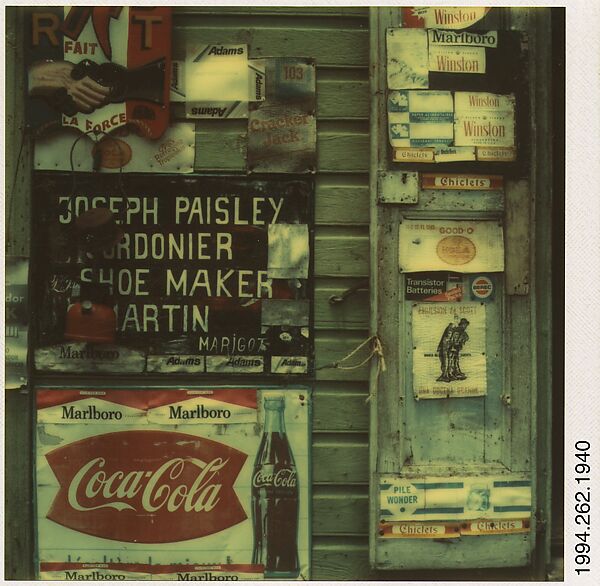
[(146, 486), (266, 476)]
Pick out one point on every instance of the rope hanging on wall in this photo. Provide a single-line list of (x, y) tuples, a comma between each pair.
[(376, 348)]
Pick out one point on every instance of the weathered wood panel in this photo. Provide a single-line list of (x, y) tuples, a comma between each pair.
[(350, 314), (340, 460), (340, 512), (329, 46), (517, 238), (341, 412), (343, 256), (221, 148), (339, 200), (261, 11)]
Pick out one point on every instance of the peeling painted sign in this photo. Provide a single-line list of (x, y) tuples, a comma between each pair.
[(282, 130), (456, 498), (122, 151), (449, 357), (16, 327), (166, 483), (468, 246), (210, 275), (407, 66), (99, 68)]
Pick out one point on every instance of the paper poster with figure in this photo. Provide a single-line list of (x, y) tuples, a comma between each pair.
[(99, 68), (449, 350)]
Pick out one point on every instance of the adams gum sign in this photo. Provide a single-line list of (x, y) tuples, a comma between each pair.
[(99, 68)]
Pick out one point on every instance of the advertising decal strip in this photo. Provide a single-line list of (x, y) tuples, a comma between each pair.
[(99, 68), (122, 151), (173, 484), (16, 327), (476, 498), (206, 275), (282, 129)]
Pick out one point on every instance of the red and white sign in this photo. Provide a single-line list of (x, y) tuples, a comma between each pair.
[(448, 17), (161, 473)]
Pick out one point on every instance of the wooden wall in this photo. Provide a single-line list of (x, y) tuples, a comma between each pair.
[(339, 41)]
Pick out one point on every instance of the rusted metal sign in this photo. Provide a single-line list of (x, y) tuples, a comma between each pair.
[(99, 68), (176, 484), (199, 275), (282, 130)]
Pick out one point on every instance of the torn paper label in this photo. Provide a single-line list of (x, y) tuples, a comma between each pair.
[(495, 527), (505, 154), (407, 65), (288, 251), (449, 350), (449, 154), (16, 322)]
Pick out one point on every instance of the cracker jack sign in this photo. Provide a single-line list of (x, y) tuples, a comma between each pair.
[(173, 484), (210, 275), (99, 68)]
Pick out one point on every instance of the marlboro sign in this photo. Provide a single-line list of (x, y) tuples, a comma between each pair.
[(99, 68), (178, 477)]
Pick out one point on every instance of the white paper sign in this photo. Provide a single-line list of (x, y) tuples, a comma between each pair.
[(407, 65), (456, 59), (449, 350), (467, 246)]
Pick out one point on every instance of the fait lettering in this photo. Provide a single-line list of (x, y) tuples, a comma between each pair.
[(157, 492)]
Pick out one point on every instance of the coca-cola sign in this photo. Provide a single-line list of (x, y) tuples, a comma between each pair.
[(146, 486)]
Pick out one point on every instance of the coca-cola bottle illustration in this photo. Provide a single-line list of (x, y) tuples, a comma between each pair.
[(275, 497)]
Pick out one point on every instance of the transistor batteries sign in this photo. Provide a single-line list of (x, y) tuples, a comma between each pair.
[(210, 275)]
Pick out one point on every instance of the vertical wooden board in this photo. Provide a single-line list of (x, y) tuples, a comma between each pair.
[(517, 236), (519, 383)]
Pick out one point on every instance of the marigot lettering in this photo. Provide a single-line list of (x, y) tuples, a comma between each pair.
[(231, 344), (199, 412), (91, 481), (92, 412)]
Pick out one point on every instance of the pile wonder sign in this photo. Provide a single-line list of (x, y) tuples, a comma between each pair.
[(125, 476), (210, 275)]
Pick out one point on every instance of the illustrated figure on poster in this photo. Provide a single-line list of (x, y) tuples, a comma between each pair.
[(450, 345)]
